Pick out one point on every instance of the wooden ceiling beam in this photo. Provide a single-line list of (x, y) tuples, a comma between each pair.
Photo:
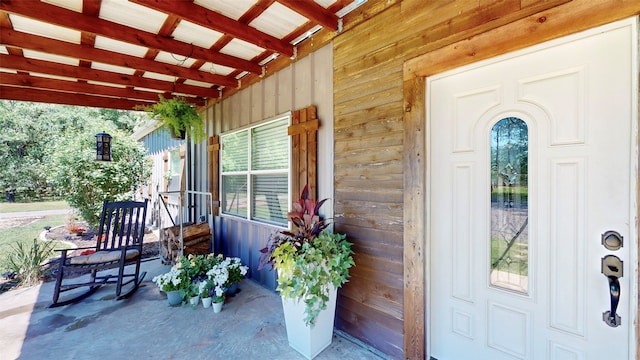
[(135, 86), (5, 23), (314, 12), (19, 63), (89, 7), (70, 19), (63, 48), (56, 97), (216, 21), (24, 80), (88, 39)]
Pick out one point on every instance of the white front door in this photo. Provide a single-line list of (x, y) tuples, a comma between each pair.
[(532, 162)]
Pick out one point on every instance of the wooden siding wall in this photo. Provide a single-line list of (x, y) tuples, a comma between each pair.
[(380, 179), (306, 82)]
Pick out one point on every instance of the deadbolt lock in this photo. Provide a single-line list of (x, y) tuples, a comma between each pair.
[(612, 240)]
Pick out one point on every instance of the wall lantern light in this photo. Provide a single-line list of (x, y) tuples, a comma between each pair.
[(103, 147)]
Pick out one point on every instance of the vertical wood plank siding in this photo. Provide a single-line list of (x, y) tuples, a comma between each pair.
[(304, 83), (380, 162)]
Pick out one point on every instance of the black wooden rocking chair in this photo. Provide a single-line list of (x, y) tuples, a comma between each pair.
[(118, 244)]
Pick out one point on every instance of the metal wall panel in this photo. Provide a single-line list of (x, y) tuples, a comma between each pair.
[(306, 82)]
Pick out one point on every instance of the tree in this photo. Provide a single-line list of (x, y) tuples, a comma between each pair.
[(28, 128), (84, 183), (124, 120), (31, 133)]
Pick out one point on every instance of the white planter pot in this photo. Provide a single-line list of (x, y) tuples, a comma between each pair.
[(206, 302), (217, 307), (304, 339)]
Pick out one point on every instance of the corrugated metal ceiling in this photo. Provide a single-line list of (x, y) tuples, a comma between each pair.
[(119, 53)]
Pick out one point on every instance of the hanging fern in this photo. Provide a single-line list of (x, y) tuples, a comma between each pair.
[(179, 116)]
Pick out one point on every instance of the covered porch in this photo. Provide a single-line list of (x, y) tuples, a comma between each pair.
[(250, 326)]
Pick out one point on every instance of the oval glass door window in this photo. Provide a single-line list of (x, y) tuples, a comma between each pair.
[(509, 205)]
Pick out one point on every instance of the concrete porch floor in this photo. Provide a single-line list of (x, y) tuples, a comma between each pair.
[(250, 326)]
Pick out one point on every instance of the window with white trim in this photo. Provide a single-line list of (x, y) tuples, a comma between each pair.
[(255, 172), (175, 172)]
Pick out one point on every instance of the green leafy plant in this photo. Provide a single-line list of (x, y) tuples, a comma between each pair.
[(192, 291), (207, 288), (196, 266), (27, 261), (179, 116), (175, 279), (309, 258)]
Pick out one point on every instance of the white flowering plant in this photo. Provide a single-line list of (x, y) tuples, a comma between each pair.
[(176, 279), (219, 274), (223, 274), (207, 288), (218, 294), (197, 266), (236, 270), (204, 275)]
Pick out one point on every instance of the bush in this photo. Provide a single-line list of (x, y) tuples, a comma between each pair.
[(27, 261), (85, 183)]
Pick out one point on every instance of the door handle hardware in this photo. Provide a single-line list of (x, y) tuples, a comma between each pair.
[(612, 240), (611, 267)]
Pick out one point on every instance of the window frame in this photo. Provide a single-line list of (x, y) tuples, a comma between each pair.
[(249, 173), (173, 175)]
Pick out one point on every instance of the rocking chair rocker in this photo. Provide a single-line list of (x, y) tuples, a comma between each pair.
[(118, 244)]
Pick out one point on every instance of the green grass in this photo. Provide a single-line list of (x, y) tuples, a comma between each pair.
[(25, 235), (518, 192), (6, 207), (519, 253)]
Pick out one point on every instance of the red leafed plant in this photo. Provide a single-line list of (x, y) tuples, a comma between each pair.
[(307, 223), (76, 229), (306, 226)]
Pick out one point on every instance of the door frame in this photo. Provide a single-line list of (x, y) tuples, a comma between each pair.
[(569, 18)]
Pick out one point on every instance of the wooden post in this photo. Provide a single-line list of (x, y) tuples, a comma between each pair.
[(213, 148)]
